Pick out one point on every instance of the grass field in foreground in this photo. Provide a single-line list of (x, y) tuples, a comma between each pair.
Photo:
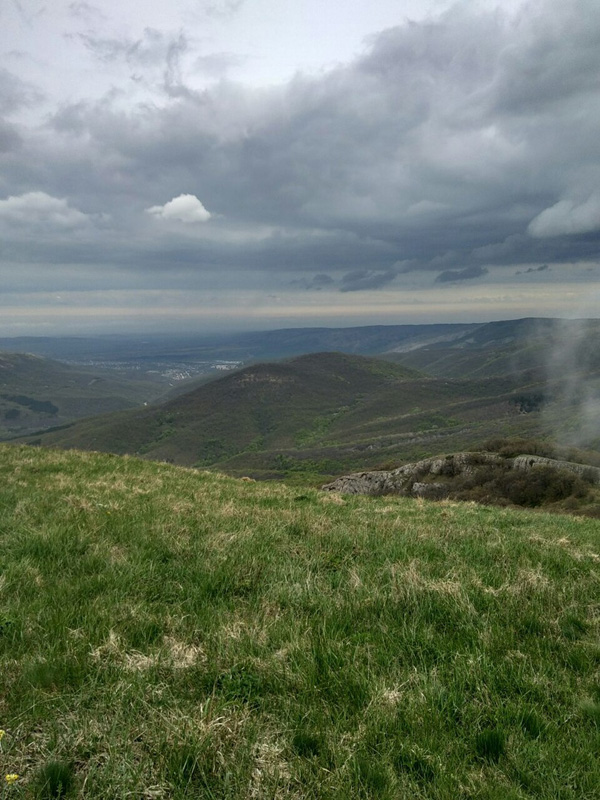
[(166, 633)]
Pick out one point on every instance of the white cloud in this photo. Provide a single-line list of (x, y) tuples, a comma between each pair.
[(185, 208), (41, 208), (567, 217)]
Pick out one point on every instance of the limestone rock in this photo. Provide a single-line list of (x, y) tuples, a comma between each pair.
[(404, 479), (412, 479), (526, 462)]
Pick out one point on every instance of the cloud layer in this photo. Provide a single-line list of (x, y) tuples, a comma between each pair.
[(568, 217), (32, 209), (451, 145)]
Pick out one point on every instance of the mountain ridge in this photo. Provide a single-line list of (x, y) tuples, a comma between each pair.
[(257, 418)]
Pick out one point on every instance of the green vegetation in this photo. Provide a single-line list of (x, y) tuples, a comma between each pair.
[(168, 633), (309, 419), (553, 486), (317, 416)]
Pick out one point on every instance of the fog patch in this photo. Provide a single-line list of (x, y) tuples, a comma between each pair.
[(573, 373)]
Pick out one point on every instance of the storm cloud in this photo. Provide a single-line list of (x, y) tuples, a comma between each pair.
[(450, 145), (366, 279), (467, 274)]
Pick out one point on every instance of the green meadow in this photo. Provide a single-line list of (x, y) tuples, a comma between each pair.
[(170, 633)]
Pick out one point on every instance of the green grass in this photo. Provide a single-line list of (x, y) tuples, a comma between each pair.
[(179, 634)]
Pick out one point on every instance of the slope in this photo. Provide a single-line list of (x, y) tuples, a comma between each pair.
[(509, 347), (264, 405), (37, 392), (168, 633), (321, 413)]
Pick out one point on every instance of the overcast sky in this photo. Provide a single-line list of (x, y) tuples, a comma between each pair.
[(231, 164)]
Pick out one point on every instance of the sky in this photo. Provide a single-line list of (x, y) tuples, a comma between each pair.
[(213, 165)]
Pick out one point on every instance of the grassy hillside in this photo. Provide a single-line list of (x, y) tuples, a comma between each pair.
[(166, 633), (314, 415), (262, 405), (37, 393)]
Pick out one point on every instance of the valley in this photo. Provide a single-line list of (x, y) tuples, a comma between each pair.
[(307, 418)]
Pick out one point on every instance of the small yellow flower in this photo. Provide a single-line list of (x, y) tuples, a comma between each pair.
[(12, 777), (2, 734)]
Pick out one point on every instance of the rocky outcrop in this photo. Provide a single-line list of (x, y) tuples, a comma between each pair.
[(417, 479), (526, 462), (408, 479), (373, 483)]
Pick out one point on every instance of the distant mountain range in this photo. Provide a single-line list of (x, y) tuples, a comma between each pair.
[(250, 346), (323, 412), (433, 389)]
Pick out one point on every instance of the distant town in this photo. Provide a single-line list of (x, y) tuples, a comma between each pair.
[(166, 369)]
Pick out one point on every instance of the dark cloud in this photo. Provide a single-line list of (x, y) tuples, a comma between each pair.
[(315, 283), (555, 57), (87, 12), (216, 65), (9, 137), (322, 280), (530, 270), (28, 14), (154, 54), (467, 274), (366, 279), (222, 8), (155, 47), (464, 141)]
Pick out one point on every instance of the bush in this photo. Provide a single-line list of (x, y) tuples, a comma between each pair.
[(539, 486), (502, 485), (509, 448)]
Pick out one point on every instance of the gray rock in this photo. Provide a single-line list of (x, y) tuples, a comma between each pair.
[(411, 479), (526, 462), (430, 491), (370, 483), (403, 479)]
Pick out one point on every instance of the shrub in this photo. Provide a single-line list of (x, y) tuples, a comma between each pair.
[(540, 485), (509, 448)]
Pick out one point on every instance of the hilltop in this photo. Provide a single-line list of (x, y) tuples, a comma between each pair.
[(171, 633)]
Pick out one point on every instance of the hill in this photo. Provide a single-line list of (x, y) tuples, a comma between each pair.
[(169, 633), (547, 346), (321, 414), (37, 393)]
